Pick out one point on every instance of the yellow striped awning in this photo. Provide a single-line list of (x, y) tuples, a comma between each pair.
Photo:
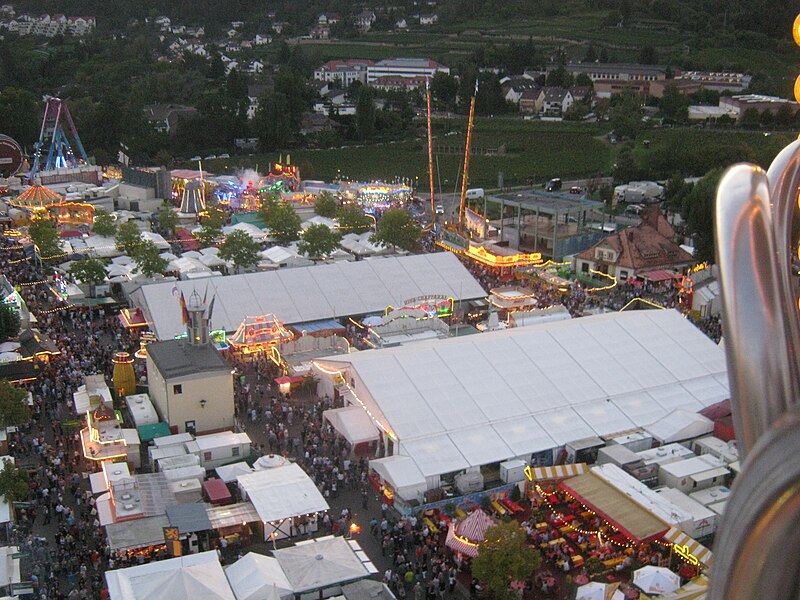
[(555, 472), (688, 547)]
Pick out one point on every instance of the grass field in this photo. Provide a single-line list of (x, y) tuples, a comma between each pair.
[(696, 151), (533, 150)]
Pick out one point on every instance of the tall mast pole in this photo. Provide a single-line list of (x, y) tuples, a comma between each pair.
[(465, 176), (430, 151)]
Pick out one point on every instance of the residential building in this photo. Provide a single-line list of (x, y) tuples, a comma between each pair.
[(346, 71), (262, 39), (404, 67), (314, 123), (364, 20), (557, 101), (513, 87), (164, 117), (428, 19), (531, 101), (634, 251), (615, 78), (190, 384)]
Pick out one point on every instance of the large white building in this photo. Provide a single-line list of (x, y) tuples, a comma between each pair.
[(404, 67), (346, 71), (455, 406)]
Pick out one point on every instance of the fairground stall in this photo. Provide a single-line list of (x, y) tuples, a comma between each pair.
[(287, 501)]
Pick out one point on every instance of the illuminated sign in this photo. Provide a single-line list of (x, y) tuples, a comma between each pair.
[(528, 473), (433, 305), (482, 255), (684, 553)]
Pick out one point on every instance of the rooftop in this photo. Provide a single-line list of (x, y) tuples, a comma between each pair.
[(178, 358), (546, 202)]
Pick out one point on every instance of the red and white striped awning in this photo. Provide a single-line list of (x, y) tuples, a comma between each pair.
[(688, 547), (460, 544), (474, 526)]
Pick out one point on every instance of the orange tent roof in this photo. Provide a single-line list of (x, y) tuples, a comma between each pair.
[(37, 196)]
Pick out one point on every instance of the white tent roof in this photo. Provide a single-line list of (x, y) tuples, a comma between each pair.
[(157, 239), (184, 578), (680, 425), (282, 492), (401, 471), (229, 473), (313, 293), (559, 381), (257, 577), (318, 220), (254, 232), (353, 423), (188, 265), (321, 563)]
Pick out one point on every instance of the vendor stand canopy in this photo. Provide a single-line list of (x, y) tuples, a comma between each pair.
[(696, 589), (402, 473), (353, 424), (464, 537), (137, 533), (656, 580), (695, 548), (258, 577), (282, 493), (185, 578), (313, 293), (467, 401), (633, 520), (322, 563)]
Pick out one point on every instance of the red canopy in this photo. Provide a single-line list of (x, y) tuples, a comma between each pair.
[(217, 492), (659, 275)]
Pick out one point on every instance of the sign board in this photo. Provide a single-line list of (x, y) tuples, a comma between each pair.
[(23, 587)]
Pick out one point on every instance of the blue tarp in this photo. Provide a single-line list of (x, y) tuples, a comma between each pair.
[(317, 326)]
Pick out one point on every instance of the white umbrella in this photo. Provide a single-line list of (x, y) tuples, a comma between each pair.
[(594, 590), (656, 580), (372, 321)]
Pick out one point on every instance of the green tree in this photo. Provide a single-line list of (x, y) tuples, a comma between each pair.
[(365, 114), (241, 249), (674, 106), (352, 219), (676, 191), (271, 125), (148, 261), (88, 270), (325, 205), (626, 114), (648, 55), (13, 405), (167, 220), (626, 169), (42, 230), (750, 118), (504, 556), (265, 206), (397, 229), (319, 241), (284, 224), (208, 234), (9, 323), (13, 483), (19, 114), (699, 206), (444, 89), (104, 224), (128, 238)]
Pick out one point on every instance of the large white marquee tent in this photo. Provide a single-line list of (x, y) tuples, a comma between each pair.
[(466, 402), (313, 293)]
